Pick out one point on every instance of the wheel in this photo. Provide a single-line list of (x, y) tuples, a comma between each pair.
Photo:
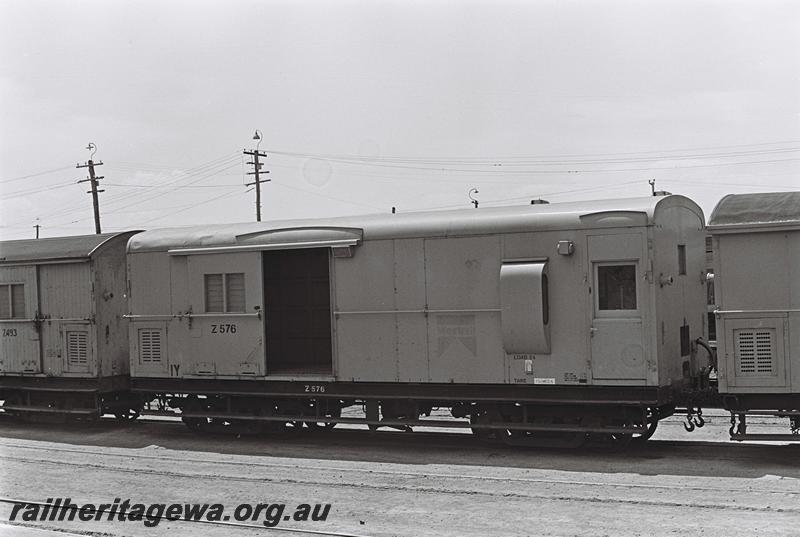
[(612, 442), (490, 436), (192, 404), (645, 436), (127, 416), (548, 439), (323, 425)]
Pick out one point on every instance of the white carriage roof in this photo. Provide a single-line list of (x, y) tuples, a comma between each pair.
[(462, 222), (55, 248), (750, 211)]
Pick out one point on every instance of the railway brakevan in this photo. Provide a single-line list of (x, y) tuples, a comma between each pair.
[(572, 317), (757, 282), (63, 338)]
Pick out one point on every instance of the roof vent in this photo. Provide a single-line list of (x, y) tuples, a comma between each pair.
[(539, 201)]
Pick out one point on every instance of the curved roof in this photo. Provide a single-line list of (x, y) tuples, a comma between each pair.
[(55, 248), (462, 222), (762, 210)]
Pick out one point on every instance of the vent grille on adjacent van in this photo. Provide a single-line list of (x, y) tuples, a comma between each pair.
[(149, 345), (77, 348), (754, 351)]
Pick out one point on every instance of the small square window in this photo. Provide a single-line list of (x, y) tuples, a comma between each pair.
[(225, 293), (616, 287)]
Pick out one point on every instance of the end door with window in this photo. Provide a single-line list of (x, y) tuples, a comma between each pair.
[(617, 324)]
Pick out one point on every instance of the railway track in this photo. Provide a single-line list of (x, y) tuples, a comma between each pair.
[(349, 476), (351, 470), (429, 472)]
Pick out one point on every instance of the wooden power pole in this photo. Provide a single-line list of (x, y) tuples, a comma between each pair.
[(255, 153), (94, 181)]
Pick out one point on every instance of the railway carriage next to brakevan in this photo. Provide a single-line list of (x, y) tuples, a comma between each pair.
[(63, 339), (756, 243), (539, 323)]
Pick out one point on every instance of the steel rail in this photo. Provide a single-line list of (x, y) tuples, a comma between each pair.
[(416, 490), (346, 469)]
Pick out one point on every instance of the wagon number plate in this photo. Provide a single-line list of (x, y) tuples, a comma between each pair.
[(9, 332), (223, 328), (315, 388)]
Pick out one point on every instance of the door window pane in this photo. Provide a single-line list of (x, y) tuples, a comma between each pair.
[(18, 301), (234, 289), (5, 301), (616, 287), (214, 298)]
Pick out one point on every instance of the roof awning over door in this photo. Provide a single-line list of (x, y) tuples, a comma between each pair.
[(285, 239)]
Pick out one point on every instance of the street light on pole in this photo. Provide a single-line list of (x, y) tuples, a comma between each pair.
[(257, 171)]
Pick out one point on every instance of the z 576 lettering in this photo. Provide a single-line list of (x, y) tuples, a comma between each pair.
[(223, 328)]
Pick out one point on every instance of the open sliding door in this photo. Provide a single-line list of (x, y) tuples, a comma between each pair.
[(297, 307)]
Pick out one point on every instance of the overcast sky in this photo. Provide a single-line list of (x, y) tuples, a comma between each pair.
[(366, 105)]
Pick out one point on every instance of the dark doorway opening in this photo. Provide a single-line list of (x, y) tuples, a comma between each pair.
[(298, 311)]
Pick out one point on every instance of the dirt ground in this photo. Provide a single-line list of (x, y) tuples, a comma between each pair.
[(417, 484)]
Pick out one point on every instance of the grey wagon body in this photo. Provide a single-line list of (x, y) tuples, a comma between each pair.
[(592, 293)]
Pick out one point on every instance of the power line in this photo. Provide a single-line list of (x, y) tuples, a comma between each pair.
[(191, 206), (714, 183), (214, 166), (149, 198), (20, 178), (198, 173), (540, 159), (211, 166), (548, 194), (129, 185), (171, 187), (37, 190), (499, 170), (326, 196)]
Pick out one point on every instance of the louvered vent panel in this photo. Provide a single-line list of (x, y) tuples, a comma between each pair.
[(754, 351), (745, 351), (77, 348), (149, 345), (764, 351)]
